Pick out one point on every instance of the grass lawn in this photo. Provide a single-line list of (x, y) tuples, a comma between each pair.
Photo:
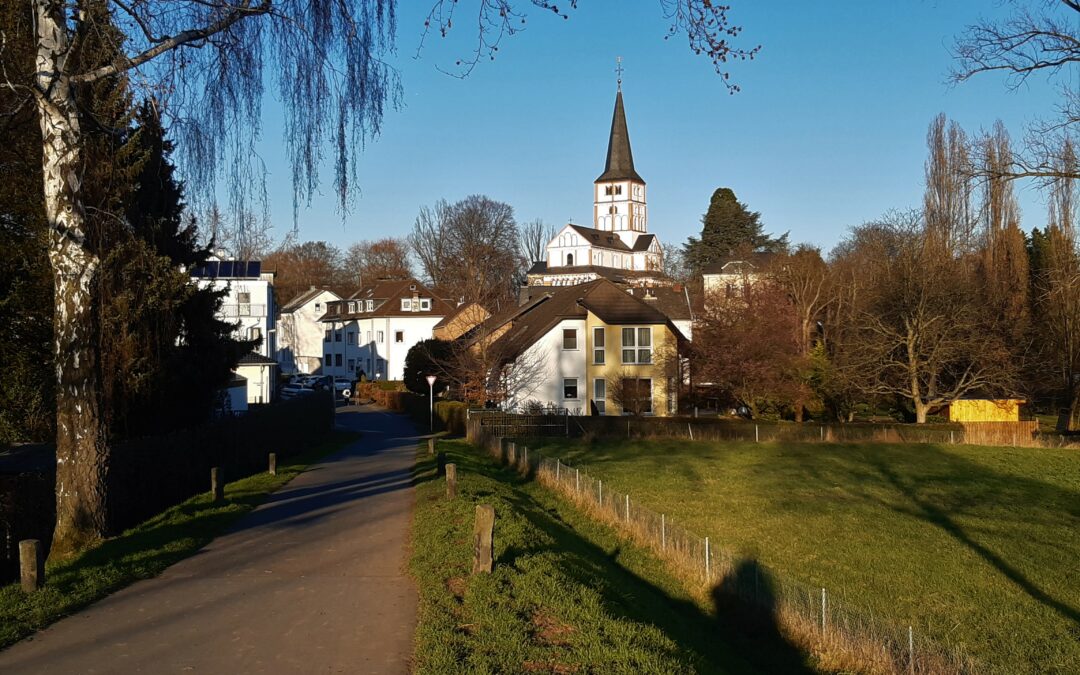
[(143, 551), (975, 547), (567, 594)]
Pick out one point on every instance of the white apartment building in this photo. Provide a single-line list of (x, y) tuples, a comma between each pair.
[(300, 331), (371, 332)]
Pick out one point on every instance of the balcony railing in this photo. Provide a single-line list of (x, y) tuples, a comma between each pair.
[(242, 309)]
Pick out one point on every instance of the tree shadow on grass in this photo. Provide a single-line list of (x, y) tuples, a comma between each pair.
[(717, 643)]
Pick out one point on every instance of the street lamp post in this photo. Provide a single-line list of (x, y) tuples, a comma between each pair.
[(431, 403)]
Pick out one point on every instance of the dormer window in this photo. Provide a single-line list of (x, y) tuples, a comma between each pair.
[(352, 307), (425, 304), (370, 305), (406, 304)]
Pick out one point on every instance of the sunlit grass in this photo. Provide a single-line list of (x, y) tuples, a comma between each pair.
[(976, 547)]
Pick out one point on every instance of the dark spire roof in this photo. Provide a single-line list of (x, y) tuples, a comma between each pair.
[(620, 160)]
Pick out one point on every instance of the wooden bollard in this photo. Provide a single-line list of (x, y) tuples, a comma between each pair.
[(483, 539), (217, 484), (430, 447), (451, 480), (273, 463), (31, 565)]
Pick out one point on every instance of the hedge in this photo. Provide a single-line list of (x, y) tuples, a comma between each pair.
[(148, 475)]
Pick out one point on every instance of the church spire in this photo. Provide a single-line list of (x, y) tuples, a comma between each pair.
[(620, 160)]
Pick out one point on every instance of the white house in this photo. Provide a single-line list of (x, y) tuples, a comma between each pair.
[(371, 331), (249, 305), (730, 276), (300, 331)]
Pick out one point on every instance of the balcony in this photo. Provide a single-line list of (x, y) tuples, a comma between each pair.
[(242, 310)]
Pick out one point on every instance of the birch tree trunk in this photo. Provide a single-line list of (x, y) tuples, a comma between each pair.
[(81, 450)]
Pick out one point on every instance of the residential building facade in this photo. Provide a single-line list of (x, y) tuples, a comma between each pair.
[(301, 333), (594, 349), (370, 332)]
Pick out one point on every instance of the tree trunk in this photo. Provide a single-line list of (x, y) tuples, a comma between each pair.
[(81, 451), (921, 410), (1074, 412)]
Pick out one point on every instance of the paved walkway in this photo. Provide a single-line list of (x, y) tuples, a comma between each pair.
[(312, 581)]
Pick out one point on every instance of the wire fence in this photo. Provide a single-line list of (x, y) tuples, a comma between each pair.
[(820, 621)]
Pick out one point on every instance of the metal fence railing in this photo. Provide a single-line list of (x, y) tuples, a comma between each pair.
[(820, 620)]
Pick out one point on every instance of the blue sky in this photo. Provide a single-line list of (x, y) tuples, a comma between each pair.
[(827, 132)]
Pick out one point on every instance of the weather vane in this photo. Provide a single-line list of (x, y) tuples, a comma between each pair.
[(618, 70)]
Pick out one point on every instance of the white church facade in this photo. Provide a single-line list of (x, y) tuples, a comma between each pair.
[(618, 246)]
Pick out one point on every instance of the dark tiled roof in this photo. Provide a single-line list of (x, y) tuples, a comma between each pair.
[(612, 273), (755, 260), (620, 160), (601, 238), (643, 242), (253, 359), (607, 301), (386, 296), (671, 302)]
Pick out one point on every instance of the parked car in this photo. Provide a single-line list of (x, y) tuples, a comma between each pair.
[(291, 391), (343, 386)]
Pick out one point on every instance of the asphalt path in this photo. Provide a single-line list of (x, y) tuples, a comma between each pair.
[(311, 581)]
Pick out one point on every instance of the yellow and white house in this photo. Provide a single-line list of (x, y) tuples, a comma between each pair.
[(594, 349)]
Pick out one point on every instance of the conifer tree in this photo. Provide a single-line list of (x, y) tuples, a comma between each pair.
[(729, 226)]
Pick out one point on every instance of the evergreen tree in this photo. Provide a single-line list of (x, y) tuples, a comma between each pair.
[(729, 226)]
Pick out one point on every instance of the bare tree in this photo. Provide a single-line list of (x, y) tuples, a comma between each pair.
[(470, 249), (921, 331), (205, 60), (535, 236), (950, 223), (368, 261), (1039, 37), (674, 263), (299, 267), (244, 237)]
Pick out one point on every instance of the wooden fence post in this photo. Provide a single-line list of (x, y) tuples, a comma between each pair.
[(273, 463), (31, 565), (451, 480), (217, 484), (431, 447), (483, 538)]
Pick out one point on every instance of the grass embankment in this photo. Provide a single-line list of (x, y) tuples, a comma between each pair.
[(976, 547), (144, 551), (567, 594)]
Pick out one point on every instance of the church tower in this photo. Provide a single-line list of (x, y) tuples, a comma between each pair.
[(619, 192)]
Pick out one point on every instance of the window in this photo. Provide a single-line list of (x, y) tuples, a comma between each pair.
[(328, 332), (607, 189), (406, 304), (569, 338), (255, 333), (729, 290), (337, 360), (618, 189), (598, 346), (637, 345), (370, 305), (368, 337), (337, 335), (328, 360), (380, 366), (399, 336), (243, 298), (570, 387), (569, 259), (380, 336), (600, 395), (318, 307), (425, 304), (352, 307), (352, 365), (350, 339), (637, 396)]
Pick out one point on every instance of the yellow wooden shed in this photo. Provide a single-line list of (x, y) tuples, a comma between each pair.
[(985, 410)]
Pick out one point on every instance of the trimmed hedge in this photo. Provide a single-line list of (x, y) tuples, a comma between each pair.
[(148, 475)]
